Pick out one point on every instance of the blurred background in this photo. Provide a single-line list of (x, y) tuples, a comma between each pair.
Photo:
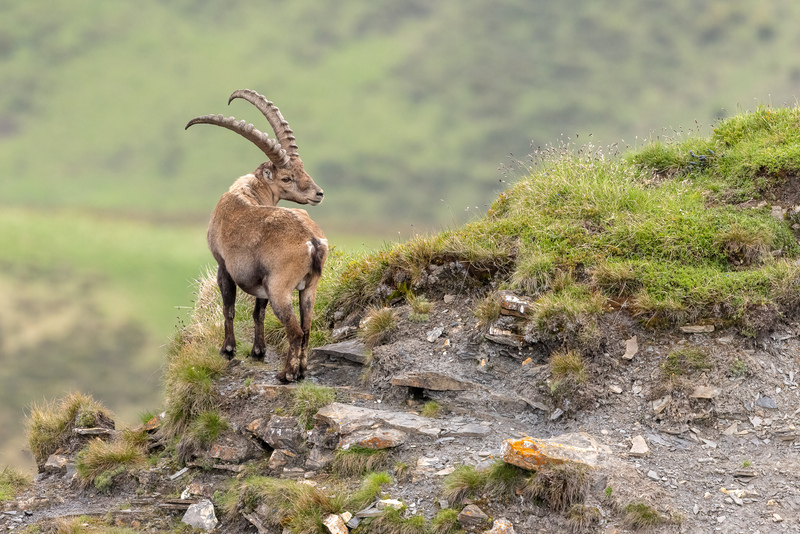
[(405, 111)]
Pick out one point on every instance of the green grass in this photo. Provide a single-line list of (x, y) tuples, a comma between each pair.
[(585, 233), (12, 482), (101, 461), (298, 507), (685, 361), (307, 399), (357, 461)]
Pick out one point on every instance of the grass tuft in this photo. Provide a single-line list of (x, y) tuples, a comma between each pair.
[(378, 325), (465, 482), (558, 486), (49, 425), (582, 518), (641, 515), (445, 522), (307, 399), (192, 368), (11, 483), (369, 490), (356, 461), (102, 460), (431, 409)]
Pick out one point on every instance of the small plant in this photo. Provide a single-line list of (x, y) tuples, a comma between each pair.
[(431, 409), (569, 372), (378, 325), (503, 480), (207, 427), (747, 463), (189, 383), (401, 470), (582, 518), (568, 364), (685, 361), (287, 503), (738, 369), (464, 482), (391, 521), (559, 486), (640, 515), (356, 461), (608, 492), (50, 425), (103, 460), (445, 522), (370, 489), (419, 304), (307, 399), (11, 483), (487, 311)]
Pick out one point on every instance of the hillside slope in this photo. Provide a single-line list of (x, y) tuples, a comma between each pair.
[(647, 301)]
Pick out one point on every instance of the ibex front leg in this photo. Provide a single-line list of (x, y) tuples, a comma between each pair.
[(227, 287)]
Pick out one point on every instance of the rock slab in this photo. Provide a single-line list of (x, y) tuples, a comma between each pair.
[(533, 453)]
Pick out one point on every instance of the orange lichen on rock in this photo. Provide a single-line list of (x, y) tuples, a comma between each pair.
[(533, 453)]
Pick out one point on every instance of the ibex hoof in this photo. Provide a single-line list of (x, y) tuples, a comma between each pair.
[(283, 378), (258, 353), (227, 352)]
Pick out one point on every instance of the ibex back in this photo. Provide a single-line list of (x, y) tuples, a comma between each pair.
[(265, 250)]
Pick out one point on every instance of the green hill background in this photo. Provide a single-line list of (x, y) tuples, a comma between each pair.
[(404, 112)]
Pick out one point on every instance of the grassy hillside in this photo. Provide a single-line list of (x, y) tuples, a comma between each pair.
[(682, 231), (404, 111)]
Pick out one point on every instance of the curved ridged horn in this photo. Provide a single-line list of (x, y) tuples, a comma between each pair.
[(271, 148), (283, 132)]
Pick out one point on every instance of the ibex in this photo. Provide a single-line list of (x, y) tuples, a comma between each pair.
[(265, 250)]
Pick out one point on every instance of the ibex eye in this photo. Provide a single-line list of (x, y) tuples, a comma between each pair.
[(286, 179)]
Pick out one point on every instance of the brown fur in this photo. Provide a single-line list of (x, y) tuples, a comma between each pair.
[(268, 251)]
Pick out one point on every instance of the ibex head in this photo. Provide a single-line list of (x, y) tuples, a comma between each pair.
[(283, 174)]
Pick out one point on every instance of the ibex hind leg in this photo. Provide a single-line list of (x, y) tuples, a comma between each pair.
[(259, 345), (307, 297), (227, 288), (285, 314)]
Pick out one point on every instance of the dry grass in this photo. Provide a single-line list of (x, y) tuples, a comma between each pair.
[(189, 383), (582, 518), (378, 325), (356, 461), (487, 311), (641, 515), (558, 486), (463, 483), (49, 424), (11, 483), (101, 458)]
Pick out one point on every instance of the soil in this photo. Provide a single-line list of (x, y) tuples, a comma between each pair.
[(742, 438)]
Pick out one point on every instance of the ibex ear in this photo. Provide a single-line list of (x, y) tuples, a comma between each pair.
[(266, 174)]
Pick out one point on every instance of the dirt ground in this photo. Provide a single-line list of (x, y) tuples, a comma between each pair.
[(722, 450)]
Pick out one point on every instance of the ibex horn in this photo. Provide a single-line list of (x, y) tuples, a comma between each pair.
[(271, 148), (283, 132)]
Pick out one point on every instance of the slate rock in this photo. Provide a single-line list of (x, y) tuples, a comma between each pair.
[(352, 350), (532, 453), (472, 516), (201, 515), (280, 432)]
